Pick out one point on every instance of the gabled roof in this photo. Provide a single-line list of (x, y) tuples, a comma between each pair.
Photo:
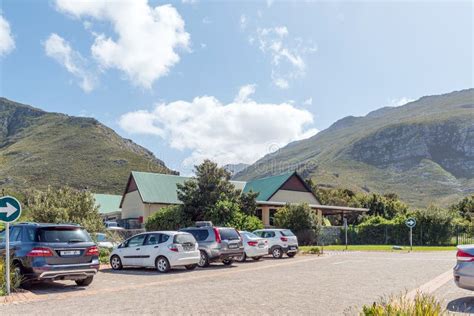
[(107, 203), (157, 187), (267, 186)]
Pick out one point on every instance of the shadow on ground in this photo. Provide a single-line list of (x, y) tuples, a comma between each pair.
[(462, 305)]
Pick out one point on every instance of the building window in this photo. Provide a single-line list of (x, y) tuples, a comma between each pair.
[(259, 213), (272, 216)]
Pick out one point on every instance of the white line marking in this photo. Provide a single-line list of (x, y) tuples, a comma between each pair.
[(432, 285)]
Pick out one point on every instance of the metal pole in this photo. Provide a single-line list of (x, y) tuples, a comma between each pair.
[(345, 227), (7, 256), (411, 239)]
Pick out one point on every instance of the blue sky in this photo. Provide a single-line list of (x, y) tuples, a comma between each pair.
[(230, 80)]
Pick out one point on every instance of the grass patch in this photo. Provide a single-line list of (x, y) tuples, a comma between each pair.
[(421, 305), (379, 248)]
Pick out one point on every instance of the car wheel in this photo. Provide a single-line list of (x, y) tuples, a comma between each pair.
[(242, 258), (204, 260), (85, 282), (116, 263), (19, 278), (277, 253), (227, 262), (256, 258), (291, 254), (191, 266), (162, 264)]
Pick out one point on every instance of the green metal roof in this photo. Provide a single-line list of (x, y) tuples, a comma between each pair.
[(157, 187), (267, 186), (107, 203), (162, 188)]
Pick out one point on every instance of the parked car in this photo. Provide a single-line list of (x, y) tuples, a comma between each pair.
[(464, 269), (216, 244), (44, 252), (162, 250), (104, 242), (254, 247), (280, 241), (112, 226)]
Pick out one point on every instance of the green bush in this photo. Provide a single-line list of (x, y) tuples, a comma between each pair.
[(167, 218), (15, 280), (246, 222), (301, 220), (422, 305), (314, 250), (104, 255)]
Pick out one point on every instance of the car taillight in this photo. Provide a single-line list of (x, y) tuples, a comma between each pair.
[(173, 247), (284, 239), (218, 235), (40, 252), (464, 256), (92, 251), (252, 243)]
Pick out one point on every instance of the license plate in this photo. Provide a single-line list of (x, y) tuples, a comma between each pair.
[(70, 252), (233, 246), (261, 245), (292, 248)]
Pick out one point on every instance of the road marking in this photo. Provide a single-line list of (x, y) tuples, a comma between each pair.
[(432, 285), (46, 295), (347, 261)]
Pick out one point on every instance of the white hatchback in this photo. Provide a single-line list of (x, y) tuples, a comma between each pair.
[(280, 241), (254, 246), (162, 250)]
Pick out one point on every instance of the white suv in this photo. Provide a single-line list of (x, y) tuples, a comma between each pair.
[(280, 241), (162, 250)]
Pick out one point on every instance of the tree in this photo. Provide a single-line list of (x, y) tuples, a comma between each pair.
[(298, 217), (65, 205), (212, 197), (200, 195), (465, 208), (245, 222)]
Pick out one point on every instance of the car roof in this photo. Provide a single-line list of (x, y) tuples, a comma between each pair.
[(170, 232), (46, 224), (270, 230)]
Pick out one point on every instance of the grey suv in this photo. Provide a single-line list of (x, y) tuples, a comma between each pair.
[(216, 243), (42, 252)]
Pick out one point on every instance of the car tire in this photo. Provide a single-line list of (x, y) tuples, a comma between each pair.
[(162, 264), (19, 275), (277, 253), (228, 262), (191, 266), (256, 258), (242, 258), (291, 254), (204, 260), (116, 263), (85, 282)]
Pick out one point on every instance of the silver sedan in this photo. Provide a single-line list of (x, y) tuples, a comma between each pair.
[(464, 269)]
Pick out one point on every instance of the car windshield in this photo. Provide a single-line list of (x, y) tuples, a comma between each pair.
[(101, 237), (184, 239), (199, 234), (228, 234), (287, 232), (62, 234)]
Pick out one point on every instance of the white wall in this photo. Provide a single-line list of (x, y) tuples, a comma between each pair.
[(132, 206)]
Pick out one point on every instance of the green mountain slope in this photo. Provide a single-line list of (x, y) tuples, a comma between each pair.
[(424, 151), (38, 149)]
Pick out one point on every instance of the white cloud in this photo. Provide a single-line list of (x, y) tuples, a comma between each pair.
[(241, 131), (7, 43), (145, 41), (287, 55), (189, 1), (243, 22), (308, 101), (60, 50), (399, 101)]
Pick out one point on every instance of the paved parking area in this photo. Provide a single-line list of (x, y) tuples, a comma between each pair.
[(334, 284)]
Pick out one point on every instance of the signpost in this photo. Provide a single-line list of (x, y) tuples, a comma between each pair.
[(10, 211), (345, 230), (411, 223)]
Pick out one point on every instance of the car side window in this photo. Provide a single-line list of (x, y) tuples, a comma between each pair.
[(164, 238), (30, 234), (15, 234), (153, 239), (269, 234), (136, 241)]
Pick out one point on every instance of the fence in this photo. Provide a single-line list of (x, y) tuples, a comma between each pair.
[(396, 235)]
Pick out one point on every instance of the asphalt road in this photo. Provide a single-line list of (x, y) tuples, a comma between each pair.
[(337, 284)]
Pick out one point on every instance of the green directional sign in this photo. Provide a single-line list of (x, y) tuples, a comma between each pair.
[(10, 209)]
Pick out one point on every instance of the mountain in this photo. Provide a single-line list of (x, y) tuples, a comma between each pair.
[(235, 168), (38, 149), (423, 151)]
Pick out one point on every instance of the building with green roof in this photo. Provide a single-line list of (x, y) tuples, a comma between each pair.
[(147, 192), (109, 206)]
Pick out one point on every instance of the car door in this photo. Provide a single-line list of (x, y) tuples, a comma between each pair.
[(270, 236), (131, 252), (151, 249)]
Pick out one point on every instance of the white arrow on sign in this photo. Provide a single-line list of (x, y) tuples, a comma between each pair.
[(9, 209)]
